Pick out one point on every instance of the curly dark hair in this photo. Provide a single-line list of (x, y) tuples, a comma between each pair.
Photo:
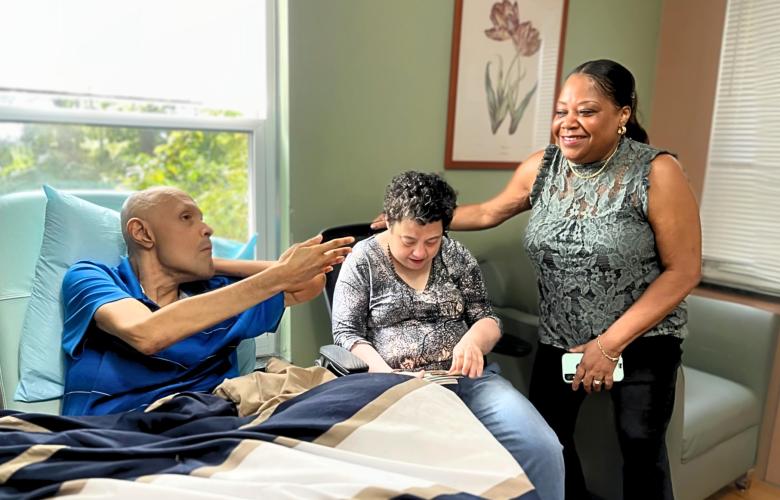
[(424, 198)]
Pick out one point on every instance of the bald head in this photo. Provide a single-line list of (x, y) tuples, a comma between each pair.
[(166, 235), (146, 205)]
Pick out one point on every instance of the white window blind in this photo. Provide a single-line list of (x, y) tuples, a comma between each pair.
[(741, 198)]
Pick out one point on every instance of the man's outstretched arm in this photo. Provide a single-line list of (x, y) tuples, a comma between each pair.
[(150, 332)]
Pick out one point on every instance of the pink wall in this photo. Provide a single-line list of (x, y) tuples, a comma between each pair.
[(685, 81)]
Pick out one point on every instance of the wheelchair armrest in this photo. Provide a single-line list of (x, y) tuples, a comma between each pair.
[(340, 361)]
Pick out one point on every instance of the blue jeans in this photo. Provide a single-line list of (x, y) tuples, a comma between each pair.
[(516, 424)]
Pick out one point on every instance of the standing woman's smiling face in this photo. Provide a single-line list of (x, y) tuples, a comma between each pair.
[(586, 121)]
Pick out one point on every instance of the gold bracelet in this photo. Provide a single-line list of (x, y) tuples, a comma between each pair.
[(614, 359)]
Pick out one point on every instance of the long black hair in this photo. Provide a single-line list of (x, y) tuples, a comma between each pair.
[(618, 84)]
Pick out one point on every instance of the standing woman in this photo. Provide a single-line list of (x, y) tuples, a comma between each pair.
[(614, 236)]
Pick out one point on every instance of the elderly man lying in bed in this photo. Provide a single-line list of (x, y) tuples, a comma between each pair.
[(412, 299), (169, 317)]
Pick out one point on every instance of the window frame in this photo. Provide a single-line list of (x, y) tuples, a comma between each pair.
[(264, 177)]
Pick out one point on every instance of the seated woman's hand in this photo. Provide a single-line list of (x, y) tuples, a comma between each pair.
[(467, 358), (594, 371)]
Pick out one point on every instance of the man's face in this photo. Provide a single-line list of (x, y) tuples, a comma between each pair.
[(182, 238)]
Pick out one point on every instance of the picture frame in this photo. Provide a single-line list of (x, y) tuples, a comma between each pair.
[(505, 70)]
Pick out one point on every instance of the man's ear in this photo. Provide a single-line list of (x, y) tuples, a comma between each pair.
[(140, 232)]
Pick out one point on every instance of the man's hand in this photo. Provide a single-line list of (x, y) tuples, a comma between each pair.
[(302, 262), (306, 292), (286, 254)]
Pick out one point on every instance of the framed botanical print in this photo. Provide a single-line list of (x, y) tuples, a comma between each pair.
[(504, 74)]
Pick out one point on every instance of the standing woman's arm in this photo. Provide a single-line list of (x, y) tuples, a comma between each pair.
[(674, 216), (514, 199)]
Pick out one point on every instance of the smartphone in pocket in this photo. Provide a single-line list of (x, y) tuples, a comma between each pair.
[(571, 360)]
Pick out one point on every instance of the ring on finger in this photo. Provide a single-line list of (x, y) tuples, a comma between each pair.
[(597, 382)]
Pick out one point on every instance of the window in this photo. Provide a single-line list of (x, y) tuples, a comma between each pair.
[(741, 198), (210, 165), (126, 95)]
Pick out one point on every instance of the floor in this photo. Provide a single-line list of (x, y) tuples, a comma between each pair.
[(757, 491)]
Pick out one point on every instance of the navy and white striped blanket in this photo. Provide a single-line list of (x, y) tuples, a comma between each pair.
[(361, 436)]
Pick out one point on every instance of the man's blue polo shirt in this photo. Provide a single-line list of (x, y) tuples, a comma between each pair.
[(105, 375)]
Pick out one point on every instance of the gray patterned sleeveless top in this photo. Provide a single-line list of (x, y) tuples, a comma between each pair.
[(592, 245)]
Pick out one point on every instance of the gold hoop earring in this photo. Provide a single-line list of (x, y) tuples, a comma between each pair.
[(621, 130)]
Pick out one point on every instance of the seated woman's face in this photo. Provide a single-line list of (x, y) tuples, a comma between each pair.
[(414, 245)]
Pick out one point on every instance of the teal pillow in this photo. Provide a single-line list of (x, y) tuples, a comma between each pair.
[(75, 229)]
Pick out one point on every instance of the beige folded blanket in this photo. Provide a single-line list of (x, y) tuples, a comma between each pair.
[(259, 393)]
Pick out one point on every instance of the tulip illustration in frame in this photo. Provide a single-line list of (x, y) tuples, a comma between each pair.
[(502, 97), (504, 72)]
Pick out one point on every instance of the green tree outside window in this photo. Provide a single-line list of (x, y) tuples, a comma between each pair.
[(210, 165)]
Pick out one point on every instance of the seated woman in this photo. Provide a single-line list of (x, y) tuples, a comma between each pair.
[(412, 299)]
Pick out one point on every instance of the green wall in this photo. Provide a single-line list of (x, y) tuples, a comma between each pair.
[(368, 85), (623, 30)]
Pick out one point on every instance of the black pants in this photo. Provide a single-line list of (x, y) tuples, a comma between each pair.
[(643, 404)]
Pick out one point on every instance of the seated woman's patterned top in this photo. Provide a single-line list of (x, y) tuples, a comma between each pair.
[(411, 330), (592, 245)]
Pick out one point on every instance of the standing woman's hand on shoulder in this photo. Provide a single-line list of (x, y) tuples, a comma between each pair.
[(379, 223), (514, 199)]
